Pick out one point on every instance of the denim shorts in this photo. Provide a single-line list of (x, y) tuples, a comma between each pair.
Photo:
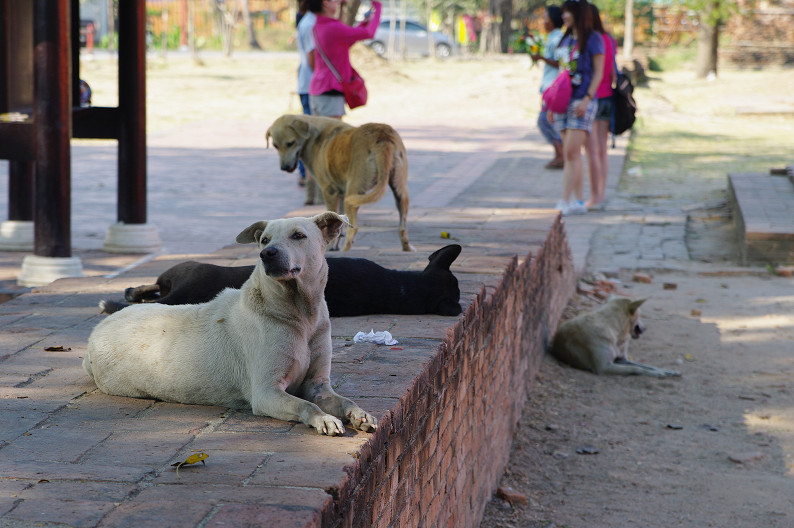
[(605, 106), (327, 104), (568, 121)]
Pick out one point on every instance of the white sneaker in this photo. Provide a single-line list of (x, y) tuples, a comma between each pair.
[(562, 206), (575, 208)]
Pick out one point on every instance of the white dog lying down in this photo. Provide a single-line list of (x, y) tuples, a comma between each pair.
[(598, 341), (266, 346)]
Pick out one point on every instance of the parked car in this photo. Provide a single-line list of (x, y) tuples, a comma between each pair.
[(415, 39)]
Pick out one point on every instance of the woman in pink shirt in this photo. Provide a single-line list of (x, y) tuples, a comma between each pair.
[(335, 38), (596, 144)]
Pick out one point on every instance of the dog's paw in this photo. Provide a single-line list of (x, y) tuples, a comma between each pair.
[(661, 373), (362, 420), (328, 425)]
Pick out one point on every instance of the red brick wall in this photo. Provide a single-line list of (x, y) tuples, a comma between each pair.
[(436, 459)]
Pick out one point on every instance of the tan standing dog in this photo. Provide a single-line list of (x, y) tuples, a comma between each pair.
[(598, 341), (265, 347), (352, 165)]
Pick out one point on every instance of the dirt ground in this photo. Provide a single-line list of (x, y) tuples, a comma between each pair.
[(711, 448)]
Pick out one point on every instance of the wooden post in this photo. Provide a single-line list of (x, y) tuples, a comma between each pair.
[(21, 175), (75, 44), (52, 115), (16, 54), (132, 113)]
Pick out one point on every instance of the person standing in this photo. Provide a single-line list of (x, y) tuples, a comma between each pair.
[(335, 38), (306, 68), (552, 22), (596, 146), (582, 54)]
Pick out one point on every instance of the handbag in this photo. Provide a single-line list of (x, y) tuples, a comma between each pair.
[(354, 89), (558, 95)]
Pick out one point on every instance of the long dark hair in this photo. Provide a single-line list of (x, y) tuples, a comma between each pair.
[(597, 25), (582, 20)]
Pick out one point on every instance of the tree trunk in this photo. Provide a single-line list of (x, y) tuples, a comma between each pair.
[(226, 19), (351, 9), (490, 40), (628, 31), (708, 43), (111, 25), (430, 49), (249, 26), (505, 31)]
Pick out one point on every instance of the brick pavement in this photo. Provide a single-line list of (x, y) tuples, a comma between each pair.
[(74, 456)]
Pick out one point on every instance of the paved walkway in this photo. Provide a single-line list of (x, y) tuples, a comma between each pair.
[(70, 454), (189, 182)]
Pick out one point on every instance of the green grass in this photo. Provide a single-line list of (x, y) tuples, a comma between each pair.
[(691, 134), (672, 58)]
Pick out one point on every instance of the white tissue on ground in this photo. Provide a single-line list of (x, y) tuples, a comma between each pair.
[(381, 338)]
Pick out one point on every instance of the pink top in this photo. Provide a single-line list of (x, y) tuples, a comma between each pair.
[(605, 88), (335, 38)]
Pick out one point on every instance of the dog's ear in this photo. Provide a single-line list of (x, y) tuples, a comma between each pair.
[(267, 138), (330, 224), (301, 128), (442, 259), (251, 234), (635, 305)]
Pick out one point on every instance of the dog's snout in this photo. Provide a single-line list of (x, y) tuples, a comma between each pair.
[(269, 253)]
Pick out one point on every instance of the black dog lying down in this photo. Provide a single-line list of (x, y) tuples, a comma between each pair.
[(355, 286)]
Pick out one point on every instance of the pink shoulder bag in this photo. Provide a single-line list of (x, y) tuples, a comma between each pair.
[(558, 95), (354, 89)]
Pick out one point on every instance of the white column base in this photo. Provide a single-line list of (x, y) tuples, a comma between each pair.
[(39, 271), (16, 235), (132, 238)]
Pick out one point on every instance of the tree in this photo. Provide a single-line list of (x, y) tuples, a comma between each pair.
[(351, 10), (712, 15), (628, 31), (249, 25), (226, 18)]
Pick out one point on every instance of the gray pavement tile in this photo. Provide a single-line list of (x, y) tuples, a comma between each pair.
[(160, 513), (71, 471), (246, 422), (48, 444), (65, 512), (89, 490), (15, 423)]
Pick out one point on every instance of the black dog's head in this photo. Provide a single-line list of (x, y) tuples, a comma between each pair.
[(443, 297)]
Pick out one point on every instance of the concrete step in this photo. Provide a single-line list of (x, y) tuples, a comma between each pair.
[(764, 217)]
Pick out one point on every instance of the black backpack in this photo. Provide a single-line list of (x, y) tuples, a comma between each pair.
[(625, 108)]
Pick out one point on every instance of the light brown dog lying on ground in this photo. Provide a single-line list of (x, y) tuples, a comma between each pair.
[(352, 165), (598, 341)]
